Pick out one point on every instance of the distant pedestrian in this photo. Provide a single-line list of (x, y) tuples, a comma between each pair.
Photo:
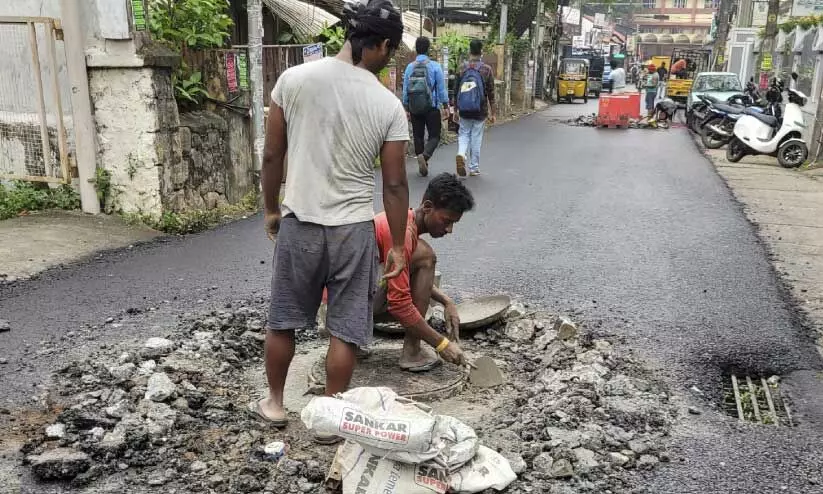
[(650, 86), (324, 228), (618, 76), (424, 94), (475, 104), (662, 76), (641, 78)]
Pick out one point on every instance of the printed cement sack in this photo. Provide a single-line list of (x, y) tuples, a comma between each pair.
[(461, 443), (364, 473), (488, 470), (403, 429)]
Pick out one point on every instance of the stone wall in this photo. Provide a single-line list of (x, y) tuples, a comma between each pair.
[(199, 180)]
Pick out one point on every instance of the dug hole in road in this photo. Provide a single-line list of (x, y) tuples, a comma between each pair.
[(630, 233)]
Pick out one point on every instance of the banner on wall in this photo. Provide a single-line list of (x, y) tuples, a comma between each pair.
[(806, 7)]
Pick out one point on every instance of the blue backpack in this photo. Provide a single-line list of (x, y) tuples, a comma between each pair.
[(472, 93)]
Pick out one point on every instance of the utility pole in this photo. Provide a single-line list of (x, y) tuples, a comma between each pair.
[(85, 141), (254, 8), (504, 21), (764, 60), (722, 34)]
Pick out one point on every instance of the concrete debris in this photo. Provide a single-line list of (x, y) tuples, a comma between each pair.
[(565, 329), (520, 330), (583, 120), (160, 387), (5, 326), (59, 464), (56, 431), (172, 413)]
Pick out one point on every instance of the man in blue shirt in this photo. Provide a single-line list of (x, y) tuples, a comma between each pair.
[(424, 94)]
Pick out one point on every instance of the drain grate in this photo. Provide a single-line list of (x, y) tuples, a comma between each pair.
[(758, 400)]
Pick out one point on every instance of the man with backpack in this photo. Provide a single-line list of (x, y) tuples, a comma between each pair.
[(424, 94), (475, 103)]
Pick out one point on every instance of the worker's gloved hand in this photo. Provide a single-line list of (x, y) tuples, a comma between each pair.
[(454, 354)]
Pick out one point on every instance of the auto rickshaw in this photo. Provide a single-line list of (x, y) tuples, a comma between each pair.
[(572, 80)]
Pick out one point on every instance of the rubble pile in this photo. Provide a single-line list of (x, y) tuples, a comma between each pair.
[(576, 415), (582, 419), (170, 413)]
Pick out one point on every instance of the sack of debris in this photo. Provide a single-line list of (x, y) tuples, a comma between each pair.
[(365, 473), (488, 470), (393, 427), (404, 432)]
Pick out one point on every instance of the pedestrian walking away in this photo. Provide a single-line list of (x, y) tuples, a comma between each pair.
[(652, 81), (662, 75), (426, 100), (406, 298), (475, 104), (324, 228)]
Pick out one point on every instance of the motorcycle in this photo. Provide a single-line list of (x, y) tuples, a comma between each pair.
[(780, 135), (718, 126)]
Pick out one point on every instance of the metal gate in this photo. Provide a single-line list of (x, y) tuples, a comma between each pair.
[(33, 138)]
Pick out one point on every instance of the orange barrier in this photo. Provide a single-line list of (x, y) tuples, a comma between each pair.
[(615, 110)]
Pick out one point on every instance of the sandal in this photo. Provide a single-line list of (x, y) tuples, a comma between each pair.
[(326, 439), (255, 409)]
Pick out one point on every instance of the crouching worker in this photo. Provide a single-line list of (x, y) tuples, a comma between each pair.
[(406, 298)]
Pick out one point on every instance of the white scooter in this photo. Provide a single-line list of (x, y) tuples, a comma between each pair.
[(773, 136)]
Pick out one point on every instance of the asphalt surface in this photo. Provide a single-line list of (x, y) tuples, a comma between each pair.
[(631, 228)]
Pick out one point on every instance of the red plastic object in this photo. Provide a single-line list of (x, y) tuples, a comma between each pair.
[(615, 110)]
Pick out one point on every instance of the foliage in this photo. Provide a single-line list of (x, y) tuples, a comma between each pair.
[(189, 24), (333, 38), (807, 22), (102, 183), (20, 197), (789, 25), (519, 46), (189, 89), (196, 220), (458, 46)]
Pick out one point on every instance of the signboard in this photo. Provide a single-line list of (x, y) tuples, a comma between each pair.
[(243, 71), (444, 54), (313, 52), (138, 14), (571, 16), (806, 7), (578, 41), (599, 20), (231, 72), (760, 13), (767, 62)]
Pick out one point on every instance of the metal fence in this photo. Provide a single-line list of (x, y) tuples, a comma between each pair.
[(34, 143)]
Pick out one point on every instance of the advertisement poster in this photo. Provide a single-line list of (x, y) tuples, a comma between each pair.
[(802, 8), (243, 71), (231, 72)]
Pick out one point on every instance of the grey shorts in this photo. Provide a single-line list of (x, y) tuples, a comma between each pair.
[(310, 257)]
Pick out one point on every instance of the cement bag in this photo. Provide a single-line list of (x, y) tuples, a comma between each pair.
[(364, 473), (404, 429), (371, 399), (460, 440), (488, 470)]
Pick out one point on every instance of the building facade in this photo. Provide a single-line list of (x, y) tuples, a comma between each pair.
[(664, 24)]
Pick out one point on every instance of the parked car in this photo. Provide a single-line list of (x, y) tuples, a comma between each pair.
[(719, 85)]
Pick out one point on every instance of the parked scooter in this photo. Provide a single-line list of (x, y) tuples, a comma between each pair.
[(779, 136), (718, 126)]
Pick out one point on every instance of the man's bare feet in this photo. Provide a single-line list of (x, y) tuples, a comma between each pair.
[(419, 359)]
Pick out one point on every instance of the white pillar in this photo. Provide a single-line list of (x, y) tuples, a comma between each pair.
[(85, 142), (254, 8)]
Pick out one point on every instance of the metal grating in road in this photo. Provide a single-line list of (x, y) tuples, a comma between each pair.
[(757, 400)]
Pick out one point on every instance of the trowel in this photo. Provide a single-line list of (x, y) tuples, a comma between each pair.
[(484, 373)]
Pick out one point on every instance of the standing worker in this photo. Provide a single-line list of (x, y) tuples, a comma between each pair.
[(651, 84), (662, 77), (618, 76), (325, 236), (475, 103), (424, 94)]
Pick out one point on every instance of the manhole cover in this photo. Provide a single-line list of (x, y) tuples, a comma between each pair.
[(756, 399), (380, 369)]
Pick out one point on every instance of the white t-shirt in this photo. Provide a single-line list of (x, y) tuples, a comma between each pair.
[(618, 76), (337, 118)]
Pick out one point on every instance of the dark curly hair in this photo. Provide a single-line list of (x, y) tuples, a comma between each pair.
[(369, 22), (446, 191)]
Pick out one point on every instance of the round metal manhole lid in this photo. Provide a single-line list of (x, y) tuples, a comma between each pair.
[(381, 368), (483, 311)]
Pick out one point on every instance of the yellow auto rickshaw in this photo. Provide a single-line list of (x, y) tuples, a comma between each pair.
[(572, 80)]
